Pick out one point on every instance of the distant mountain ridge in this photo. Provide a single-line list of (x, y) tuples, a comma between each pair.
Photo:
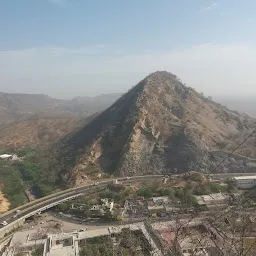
[(98, 103), (242, 104), (159, 126), (39, 120), (17, 106)]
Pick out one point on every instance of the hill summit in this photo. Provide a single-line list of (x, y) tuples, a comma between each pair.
[(159, 126)]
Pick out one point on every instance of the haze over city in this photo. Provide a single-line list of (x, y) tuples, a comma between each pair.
[(67, 48), (127, 127)]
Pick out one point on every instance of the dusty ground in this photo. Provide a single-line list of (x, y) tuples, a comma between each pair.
[(47, 223), (4, 204)]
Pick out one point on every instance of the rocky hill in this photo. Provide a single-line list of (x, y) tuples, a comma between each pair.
[(159, 126)]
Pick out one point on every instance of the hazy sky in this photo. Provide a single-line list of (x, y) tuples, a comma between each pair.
[(67, 48)]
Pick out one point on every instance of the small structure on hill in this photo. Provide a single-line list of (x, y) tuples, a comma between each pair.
[(13, 157), (5, 156), (245, 182)]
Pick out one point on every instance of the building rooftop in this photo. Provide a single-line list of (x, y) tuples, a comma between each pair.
[(245, 177), (156, 207), (216, 196), (161, 198), (5, 156), (62, 245), (204, 199), (62, 251)]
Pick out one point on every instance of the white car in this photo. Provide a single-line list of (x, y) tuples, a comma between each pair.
[(96, 183), (17, 211), (4, 223)]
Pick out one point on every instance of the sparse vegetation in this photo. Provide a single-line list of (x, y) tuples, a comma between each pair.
[(222, 144), (128, 243)]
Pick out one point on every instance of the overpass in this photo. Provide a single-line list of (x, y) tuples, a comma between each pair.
[(17, 216), (15, 219)]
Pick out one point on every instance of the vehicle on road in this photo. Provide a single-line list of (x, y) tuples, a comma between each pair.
[(17, 211), (96, 183), (4, 223)]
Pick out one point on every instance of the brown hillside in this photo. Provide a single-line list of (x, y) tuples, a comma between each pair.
[(15, 106), (159, 126), (36, 132)]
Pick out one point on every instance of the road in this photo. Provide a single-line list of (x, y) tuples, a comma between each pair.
[(44, 203), (41, 204)]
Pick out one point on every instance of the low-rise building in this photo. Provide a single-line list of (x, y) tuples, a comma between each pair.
[(13, 157), (198, 245), (163, 206), (5, 156), (101, 209), (245, 182), (65, 244), (134, 208), (211, 200), (196, 238)]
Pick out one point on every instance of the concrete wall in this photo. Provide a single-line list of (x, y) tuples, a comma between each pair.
[(9, 228)]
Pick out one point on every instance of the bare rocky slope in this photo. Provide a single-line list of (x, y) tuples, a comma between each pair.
[(36, 132), (159, 126)]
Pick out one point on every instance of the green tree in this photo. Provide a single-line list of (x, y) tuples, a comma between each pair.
[(166, 192), (155, 186), (87, 213), (146, 192), (196, 177), (232, 185), (63, 207)]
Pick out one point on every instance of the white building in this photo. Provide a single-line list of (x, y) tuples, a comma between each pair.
[(245, 182), (216, 199), (106, 206), (5, 156), (10, 157)]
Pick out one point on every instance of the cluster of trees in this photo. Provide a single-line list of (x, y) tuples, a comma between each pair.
[(12, 186), (97, 246), (209, 187), (17, 176), (184, 195), (128, 243)]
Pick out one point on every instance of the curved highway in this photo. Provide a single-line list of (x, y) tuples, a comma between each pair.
[(47, 202), (21, 213)]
